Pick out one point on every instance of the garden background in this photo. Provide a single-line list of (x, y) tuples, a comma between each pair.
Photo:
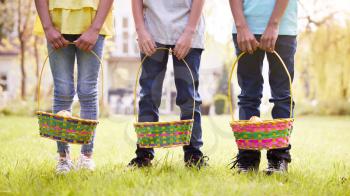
[(321, 147)]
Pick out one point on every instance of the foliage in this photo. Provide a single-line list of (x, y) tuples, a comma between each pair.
[(320, 163), (220, 103), (18, 107), (324, 67), (7, 24)]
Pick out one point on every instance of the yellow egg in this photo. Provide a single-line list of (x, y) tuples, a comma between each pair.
[(255, 119), (64, 113)]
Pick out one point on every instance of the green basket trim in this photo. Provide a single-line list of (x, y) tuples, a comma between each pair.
[(262, 135), (65, 130)]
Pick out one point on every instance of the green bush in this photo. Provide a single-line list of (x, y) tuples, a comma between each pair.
[(330, 108), (18, 108), (220, 102)]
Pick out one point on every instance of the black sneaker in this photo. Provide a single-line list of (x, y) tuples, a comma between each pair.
[(246, 163), (198, 161), (276, 166), (140, 162)]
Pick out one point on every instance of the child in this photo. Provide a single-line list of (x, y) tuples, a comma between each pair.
[(178, 25), (261, 28), (86, 23)]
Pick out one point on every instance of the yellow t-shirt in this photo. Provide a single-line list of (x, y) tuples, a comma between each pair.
[(75, 17)]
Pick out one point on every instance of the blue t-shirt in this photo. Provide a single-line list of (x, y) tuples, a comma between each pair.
[(258, 13)]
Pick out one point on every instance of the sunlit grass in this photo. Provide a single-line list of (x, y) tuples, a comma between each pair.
[(321, 162)]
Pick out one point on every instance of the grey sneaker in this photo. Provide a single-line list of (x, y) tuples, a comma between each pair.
[(140, 162), (64, 165), (86, 163), (197, 161), (276, 166), (244, 163)]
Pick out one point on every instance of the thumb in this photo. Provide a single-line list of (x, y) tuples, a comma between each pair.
[(65, 42)]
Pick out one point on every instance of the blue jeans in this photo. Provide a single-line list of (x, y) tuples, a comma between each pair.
[(250, 79), (151, 82), (62, 67)]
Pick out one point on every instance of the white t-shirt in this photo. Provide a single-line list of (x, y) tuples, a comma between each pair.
[(166, 21)]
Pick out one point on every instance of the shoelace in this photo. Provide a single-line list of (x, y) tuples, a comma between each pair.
[(240, 160), (138, 160), (234, 162), (274, 164), (206, 158), (63, 164), (199, 159), (84, 160)]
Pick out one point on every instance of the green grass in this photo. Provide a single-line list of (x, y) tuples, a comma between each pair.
[(321, 163)]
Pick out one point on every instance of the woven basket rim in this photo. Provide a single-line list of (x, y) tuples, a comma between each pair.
[(163, 122), (61, 140), (249, 122), (68, 118), (168, 146), (260, 148)]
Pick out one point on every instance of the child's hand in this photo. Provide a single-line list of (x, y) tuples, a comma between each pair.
[(87, 40), (146, 43), (55, 38), (246, 40), (269, 38), (183, 45)]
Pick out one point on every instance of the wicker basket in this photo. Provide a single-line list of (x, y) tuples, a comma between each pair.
[(267, 134), (162, 134), (65, 129)]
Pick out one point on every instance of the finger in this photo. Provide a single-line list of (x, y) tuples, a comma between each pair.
[(55, 45), (186, 53), (244, 47), (263, 43), (267, 45), (273, 44), (176, 49), (270, 45), (176, 53), (146, 49), (85, 46), (64, 41), (81, 45), (60, 43), (254, 44), (240, 46), (249, 48), (154, 44), (90, 48), (180, 52), (140, 48), (151, 46), (77, 43)]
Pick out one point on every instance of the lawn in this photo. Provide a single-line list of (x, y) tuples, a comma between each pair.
[(321, 163)]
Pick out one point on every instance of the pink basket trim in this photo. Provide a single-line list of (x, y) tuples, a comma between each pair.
[(261, 144), (164, 134)]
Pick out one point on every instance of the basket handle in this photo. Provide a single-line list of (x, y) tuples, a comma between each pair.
[(231, 75), (43, 67), (138, 76)]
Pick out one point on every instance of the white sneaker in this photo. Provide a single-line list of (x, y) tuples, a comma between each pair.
[(86, 163), (64, 165)]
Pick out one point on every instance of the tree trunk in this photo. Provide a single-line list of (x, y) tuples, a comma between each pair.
[(37, 66), (23, 70)]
